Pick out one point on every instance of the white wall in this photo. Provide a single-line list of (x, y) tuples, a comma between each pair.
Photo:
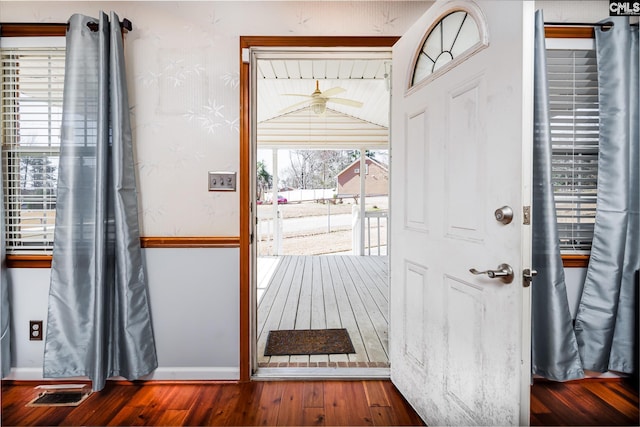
[(183, 75), (574, 10), (194, 306)]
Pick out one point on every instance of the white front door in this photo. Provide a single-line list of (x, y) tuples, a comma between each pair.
[(461, 148)]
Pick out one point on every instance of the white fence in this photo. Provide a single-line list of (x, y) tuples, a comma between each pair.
[(268, 236), (294, 196)]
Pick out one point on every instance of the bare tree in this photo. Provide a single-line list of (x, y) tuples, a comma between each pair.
[(316, 168)]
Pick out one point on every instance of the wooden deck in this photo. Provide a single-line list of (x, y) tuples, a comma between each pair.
[(318, 292)]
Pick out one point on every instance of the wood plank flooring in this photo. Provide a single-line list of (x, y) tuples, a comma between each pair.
[(305, 403), (317, 292), (584, 403), (285, 403)]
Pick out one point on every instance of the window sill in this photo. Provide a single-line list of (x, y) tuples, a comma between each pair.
[(29, 261), (575, 261)]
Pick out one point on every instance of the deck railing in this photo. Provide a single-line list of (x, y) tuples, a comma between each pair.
[(378, 216), (377, 229)]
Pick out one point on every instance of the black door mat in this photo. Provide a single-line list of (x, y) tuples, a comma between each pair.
[(308, 341)]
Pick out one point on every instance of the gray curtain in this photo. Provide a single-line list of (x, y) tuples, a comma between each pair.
[(554, 350), (5, 312), (605, 323), (5, 307), (99, 322)]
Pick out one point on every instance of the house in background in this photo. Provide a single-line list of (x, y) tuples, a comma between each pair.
[(376, 179)]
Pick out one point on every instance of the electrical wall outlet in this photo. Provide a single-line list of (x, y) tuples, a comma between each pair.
[(35, 330), (222, 181)]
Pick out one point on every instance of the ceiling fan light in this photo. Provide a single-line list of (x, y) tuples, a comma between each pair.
[(318, 107)]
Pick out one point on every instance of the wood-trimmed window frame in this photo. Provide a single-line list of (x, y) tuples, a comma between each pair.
[(571, 32), (14, 29)]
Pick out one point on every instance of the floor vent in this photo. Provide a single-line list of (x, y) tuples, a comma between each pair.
[(61, 395)]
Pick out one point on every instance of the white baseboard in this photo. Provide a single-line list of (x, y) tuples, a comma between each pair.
[(196, 373), (32, 374), (321, 373)]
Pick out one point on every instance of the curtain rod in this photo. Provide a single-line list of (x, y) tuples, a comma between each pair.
[(604, 25), (126, 25), (581, 24)]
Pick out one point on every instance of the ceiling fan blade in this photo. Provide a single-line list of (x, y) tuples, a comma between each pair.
[(296, 94), (293, 107), (343, 101), (333, 91)]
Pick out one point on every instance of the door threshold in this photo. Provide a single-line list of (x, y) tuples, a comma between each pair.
[(328, 373)]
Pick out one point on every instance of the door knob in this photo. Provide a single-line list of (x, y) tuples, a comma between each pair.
[(504, 272), (504, 215)]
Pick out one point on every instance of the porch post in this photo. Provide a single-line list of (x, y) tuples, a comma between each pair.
[(277, 238), (363, 176)]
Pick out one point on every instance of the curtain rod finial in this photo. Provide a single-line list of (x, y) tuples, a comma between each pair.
[(126, 24)]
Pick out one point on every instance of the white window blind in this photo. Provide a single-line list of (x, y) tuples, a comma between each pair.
[(31, 90), (573, 95)]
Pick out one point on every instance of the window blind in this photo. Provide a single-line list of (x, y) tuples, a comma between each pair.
[(31, 90), (573, 97)]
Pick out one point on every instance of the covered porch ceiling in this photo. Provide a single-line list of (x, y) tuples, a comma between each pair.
[(364, 80)]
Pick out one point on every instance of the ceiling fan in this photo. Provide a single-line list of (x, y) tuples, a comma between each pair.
[(318, 100)]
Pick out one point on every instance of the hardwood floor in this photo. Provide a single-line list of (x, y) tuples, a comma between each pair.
[(317, 292), (284, 403), (304, 403), (585, 402)]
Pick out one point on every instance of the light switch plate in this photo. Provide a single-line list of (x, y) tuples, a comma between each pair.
[(222, 181)]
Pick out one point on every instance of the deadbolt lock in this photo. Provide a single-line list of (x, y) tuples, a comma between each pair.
[(528, 274)]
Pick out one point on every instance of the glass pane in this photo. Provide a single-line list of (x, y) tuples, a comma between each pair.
[(450, 26), (433, 44), (452, 36), (424, 67), (469, 36), (442, 60)]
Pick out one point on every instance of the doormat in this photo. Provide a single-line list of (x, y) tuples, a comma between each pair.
[(61, 395), (308, 341)]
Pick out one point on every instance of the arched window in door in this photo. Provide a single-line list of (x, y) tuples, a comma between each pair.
[(455, 37)]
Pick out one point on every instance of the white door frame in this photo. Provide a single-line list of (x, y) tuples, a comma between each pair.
[(249, 44)]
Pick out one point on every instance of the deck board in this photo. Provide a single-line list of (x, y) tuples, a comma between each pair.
[(317, 292), (378, 269), (270, 307), (346, 315), (363, 313)]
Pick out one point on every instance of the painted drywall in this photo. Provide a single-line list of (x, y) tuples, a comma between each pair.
[(194, 305), (183, 75), (573, 11)]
